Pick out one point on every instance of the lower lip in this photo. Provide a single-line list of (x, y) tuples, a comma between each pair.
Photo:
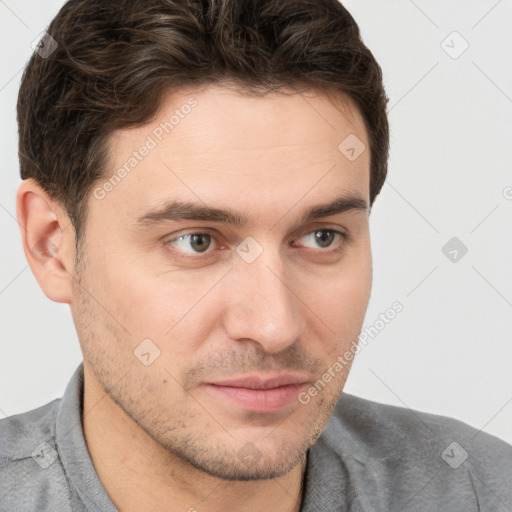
[(259, 400)]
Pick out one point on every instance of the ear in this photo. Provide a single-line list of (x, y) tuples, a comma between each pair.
[(48, 240)]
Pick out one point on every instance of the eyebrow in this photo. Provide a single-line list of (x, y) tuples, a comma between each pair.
[(180, 210)]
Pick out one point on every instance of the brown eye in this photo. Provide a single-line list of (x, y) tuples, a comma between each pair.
[(198, 242)]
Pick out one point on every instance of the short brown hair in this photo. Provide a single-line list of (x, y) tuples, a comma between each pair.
[(116, 58)]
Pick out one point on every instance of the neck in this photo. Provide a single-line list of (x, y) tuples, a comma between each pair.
[(139, 474)]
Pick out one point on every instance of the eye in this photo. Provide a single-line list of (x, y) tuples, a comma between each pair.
[(324, 238), (199, 242)]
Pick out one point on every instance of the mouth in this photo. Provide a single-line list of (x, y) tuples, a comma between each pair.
[(259, 393)]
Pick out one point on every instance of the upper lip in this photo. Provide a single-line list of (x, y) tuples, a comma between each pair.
[(262, 381)]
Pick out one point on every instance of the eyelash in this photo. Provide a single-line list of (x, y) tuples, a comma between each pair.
[(344, 238)]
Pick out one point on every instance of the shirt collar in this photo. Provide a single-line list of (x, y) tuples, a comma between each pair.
[(73, 450)]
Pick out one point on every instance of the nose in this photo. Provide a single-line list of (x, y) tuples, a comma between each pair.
[(263, 305)]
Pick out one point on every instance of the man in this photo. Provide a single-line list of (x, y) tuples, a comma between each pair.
[(213, 372)]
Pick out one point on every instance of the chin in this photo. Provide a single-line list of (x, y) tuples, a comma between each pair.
[(247, 463), (236, 470)]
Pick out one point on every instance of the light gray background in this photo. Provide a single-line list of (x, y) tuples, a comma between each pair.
[(449, 351)]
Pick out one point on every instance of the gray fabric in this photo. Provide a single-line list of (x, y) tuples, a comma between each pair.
[(370, 457)]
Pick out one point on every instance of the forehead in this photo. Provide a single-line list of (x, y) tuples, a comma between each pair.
[(218, 116), (217, 145)]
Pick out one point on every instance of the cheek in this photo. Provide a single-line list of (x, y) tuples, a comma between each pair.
[(357, 279), (168, 307), (125, 294), (147, 308), (341, 305), (354, 290), (345, 294)]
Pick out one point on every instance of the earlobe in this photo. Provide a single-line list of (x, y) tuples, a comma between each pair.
[(48, 240)]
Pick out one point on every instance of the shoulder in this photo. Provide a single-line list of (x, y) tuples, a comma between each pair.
[(444, 461), (19, 432), (420, 431), (30, 466)]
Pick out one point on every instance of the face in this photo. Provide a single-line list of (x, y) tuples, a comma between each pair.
[(213, 332)]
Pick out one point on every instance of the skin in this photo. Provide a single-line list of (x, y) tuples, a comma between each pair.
[(158, 438)]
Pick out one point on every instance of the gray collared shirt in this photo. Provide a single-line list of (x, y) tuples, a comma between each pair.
[(370, 457)]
